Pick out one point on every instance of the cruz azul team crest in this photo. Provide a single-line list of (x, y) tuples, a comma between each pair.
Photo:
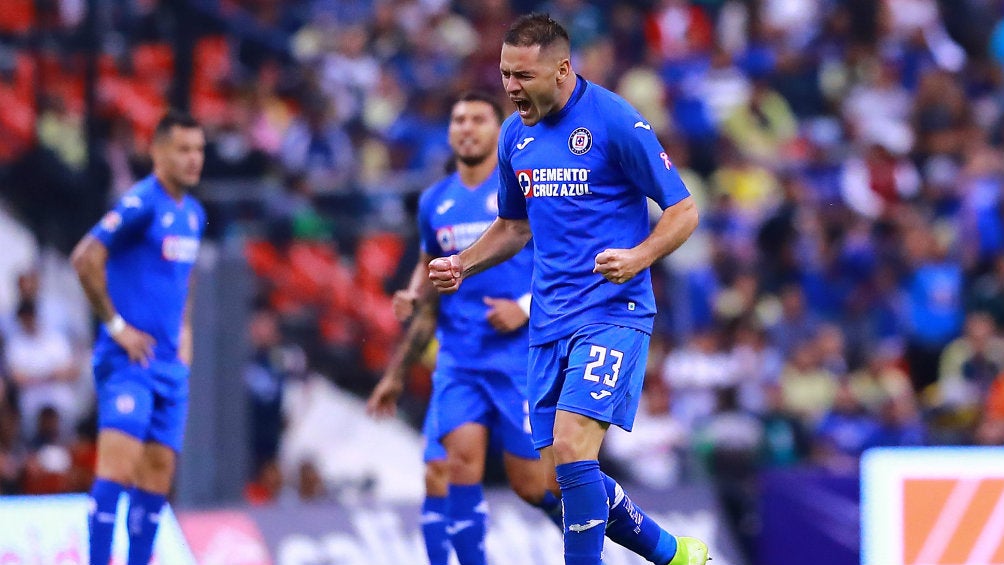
[(580, 141)]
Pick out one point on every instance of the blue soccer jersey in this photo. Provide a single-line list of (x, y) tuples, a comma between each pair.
[(451, 217), (152, 242), (581, 177)]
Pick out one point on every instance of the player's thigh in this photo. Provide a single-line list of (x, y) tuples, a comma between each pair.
[(125, 399), (168, 414), (156, 468), (604, 375), (458, 398), (466, 447), (119, 455), (510, 421), (434, 453), (546, 374)]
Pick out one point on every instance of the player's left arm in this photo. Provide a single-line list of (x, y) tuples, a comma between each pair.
[(186, 343), (635, 146)]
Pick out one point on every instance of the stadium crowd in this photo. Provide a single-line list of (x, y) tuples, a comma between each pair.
[(845, 288)]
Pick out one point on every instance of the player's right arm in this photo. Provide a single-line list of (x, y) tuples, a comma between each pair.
[(383, 401), (89, 259)]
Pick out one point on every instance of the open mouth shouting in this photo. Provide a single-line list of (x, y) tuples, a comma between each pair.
[(523, 106)]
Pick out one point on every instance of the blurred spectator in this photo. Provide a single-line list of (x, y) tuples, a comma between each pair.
[(49, 464), (987, 292), (583, 21), (786, 441), (349, 74), (876, 180), (807, 387), (84, 455), (42, 366), (900, 423), (676, 29), (763, 127), (757, 363), (316, 147), (933, 303), (796, 323), (968, 367), (694, 373), (844, 431), (832, 349), (653, 453), (62, 131), (881, 379), (13, 451), (273, 363), (267, 485)]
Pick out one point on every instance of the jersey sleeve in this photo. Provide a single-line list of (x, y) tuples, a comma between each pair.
[(642, 157), (125, 223), (426, 235), (512, 203)]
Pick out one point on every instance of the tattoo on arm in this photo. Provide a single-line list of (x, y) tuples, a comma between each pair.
[(419, 334)]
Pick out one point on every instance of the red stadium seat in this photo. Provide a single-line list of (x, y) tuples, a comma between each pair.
[(17, 16)]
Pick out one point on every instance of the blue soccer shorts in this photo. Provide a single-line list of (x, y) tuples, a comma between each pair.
[(490, 398), (434, 450), (597, 372), (148, 403)]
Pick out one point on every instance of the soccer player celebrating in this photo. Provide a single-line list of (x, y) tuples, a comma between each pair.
[(479, 385), (135, 267), (576, 164)]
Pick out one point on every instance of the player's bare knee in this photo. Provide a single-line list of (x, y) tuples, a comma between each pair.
[(156, 471), (437, 477), (568, 449)]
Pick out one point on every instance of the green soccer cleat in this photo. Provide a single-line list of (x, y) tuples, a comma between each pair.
[(690, 551)]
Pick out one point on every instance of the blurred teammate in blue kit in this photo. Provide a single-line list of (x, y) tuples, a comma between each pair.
[(576, 164), (135, 267), (479, 384)]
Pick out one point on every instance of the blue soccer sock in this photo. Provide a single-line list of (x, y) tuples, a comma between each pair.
[(585, 500), (631, 527), (101, 521), (551, 505), (437, 543), (142, 522), (466, 509)]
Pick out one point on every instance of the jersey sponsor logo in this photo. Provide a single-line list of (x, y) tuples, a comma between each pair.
[(444, 206), (643, 125), (553, 182), (131, 201), (526, 141), (111, 221), (665, 159), (458, 237), (492, 203), (580, 141), (600, 395), (180, 249), (193, 221), (167, 219), (525, 180)]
